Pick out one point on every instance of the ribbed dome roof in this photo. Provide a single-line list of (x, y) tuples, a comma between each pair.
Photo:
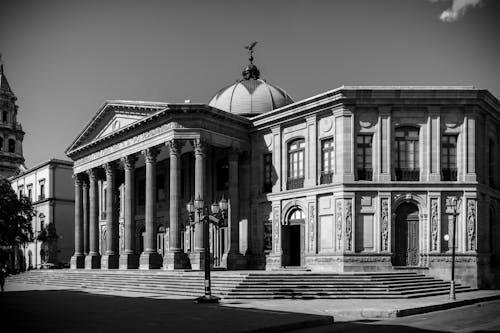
[(250, 95)]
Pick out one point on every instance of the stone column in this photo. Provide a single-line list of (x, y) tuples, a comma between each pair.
[(175, 258), (93, 259), (85, 194), (129, 257), (77, 260), (233, 259), (110, 259), (150, 258), (197, 256)]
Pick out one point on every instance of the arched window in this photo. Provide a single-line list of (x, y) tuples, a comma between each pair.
[(407, 164), (12, 146), (296, 216), (296, 163)]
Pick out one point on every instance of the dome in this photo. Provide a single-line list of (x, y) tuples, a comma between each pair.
[(250, 95)]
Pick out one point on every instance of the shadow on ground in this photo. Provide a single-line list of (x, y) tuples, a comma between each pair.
[(65, 311)]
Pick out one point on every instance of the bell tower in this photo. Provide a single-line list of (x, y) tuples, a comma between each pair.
[(11, 132)]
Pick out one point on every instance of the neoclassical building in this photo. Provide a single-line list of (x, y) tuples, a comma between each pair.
[(353, 179), (11, 132)]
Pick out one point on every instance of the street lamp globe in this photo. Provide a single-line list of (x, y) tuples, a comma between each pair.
[(215, 208), (223, 204), (198, 203), (190, 207)]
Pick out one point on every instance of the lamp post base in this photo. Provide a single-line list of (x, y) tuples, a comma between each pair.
[(207, 299), (452, 290)]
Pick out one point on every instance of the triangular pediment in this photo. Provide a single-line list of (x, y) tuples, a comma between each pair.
[(112, 117)]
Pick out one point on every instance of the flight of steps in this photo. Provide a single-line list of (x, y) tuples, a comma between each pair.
[(250, 285)]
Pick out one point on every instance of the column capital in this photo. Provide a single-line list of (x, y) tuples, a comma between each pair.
[(93, 174), (150, 154), (200, 146), (78, 178), (129, 161), (175, 146), (109, 168)]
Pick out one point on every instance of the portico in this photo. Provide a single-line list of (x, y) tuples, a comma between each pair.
[(113, 152)]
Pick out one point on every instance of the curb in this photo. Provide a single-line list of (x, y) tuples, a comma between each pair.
[(444, 306)]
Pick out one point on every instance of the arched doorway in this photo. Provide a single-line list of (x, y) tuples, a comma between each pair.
[(407, 239), (292, 242)]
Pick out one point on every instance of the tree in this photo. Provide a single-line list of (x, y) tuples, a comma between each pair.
[(15, 218), (48, 236)]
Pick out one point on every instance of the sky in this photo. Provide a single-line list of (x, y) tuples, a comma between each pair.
[(64, 58)]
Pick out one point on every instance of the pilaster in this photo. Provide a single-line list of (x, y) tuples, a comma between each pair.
[(434, 144), (384, 159), (344, 145), (78, 258)]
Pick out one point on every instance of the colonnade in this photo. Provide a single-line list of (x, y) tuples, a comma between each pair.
[(87, 254)]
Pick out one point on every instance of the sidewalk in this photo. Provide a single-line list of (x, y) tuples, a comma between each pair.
[(359, 309)]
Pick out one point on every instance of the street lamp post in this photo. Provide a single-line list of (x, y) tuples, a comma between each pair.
[(217, 218), (454, 205)]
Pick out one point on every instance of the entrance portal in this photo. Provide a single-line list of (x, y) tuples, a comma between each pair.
[(407, 224), (293, 240)]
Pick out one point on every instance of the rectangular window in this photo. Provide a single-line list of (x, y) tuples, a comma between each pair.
[(327, 161), (491, 163), (449, 157), (41, 194), (268, 173), (364, 157), (407, 151), (296, 152)]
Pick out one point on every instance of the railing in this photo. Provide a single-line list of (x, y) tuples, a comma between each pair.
[(365, 174), (408, 174), (448, 174), (293, 183), (268, 187), (326, 177)]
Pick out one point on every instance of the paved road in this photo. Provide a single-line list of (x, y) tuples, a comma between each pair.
[(76, 311), (482, 317)]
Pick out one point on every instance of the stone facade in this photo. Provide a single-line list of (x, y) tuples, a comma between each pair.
[(49, 186), (354, 179)]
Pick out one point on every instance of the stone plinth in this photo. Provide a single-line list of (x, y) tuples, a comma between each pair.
[(92, 261), (149, 260), (109, 261), (129, 261), (175, 260), (234, 261), (197, 260), (77, 261)]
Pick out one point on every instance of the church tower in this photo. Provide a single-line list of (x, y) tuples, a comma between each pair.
[(11, 132)]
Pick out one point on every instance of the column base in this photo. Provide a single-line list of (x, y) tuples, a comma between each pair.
[(234, 261), (197, 260), (92, 261), (175, 260), (77, 261), (151, 260), (129, 261), (109, 261)]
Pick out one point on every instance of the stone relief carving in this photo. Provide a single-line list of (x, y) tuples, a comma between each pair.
[(200, 146), (175, 146), (311, 227), (348, 224), (471, 225), (325, 124), (434, 224), (367, 119), (276, 222), (339, 225), (150, 154), (385, 225)]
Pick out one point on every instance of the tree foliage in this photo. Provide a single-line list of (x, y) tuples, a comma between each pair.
[(15, 217)]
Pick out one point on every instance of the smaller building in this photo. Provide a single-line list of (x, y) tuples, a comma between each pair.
[(49, 186)]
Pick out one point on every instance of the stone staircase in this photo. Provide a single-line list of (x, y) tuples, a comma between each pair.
[(247, 284)]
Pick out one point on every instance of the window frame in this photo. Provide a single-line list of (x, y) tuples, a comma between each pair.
[(364, 171), (296, 163)]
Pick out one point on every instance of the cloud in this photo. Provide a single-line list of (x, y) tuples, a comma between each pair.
[(457, 9)]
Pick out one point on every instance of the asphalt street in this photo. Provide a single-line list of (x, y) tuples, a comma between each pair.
[(481, 317)]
